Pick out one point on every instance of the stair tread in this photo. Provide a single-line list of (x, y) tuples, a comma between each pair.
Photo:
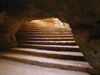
[(52, 41), (45, 35), (46, 38), (48, 42), (63, 46), (46, 32), (49, 52), (47, 60), (60, 48)]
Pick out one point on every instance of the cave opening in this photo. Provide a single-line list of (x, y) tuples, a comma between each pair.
[(52, 39), (48, 42)]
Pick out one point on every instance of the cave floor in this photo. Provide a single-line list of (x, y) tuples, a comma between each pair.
[(8, 67)]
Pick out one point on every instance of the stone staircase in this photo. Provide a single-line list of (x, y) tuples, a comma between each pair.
[(48, 47)]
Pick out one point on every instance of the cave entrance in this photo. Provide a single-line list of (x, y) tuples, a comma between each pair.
[(48, 43), (49, 39)]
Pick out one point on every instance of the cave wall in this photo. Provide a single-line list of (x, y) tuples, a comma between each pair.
[(13, 14), (82, 15)]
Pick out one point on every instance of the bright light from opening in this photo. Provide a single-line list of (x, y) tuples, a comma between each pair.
[(49, 22)]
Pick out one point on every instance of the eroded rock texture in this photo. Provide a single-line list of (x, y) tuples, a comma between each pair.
[(13, 14), (82, 15)]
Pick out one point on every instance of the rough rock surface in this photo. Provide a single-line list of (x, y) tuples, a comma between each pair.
[(13, 14), (82, 15)]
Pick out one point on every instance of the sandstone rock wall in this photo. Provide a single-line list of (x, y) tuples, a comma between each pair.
[(13, 14)]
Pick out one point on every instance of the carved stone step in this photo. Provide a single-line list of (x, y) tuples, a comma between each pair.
[(49, 62), (28, 35), (43, 30), (49, 42), (46, 39), (52, 47), (46, 33), (50, 54)]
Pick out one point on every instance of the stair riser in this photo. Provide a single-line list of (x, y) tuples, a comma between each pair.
[(45, 40), (52, 48), (51, 65)]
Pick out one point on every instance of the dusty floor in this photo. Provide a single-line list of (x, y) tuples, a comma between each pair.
[(8, 67)]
